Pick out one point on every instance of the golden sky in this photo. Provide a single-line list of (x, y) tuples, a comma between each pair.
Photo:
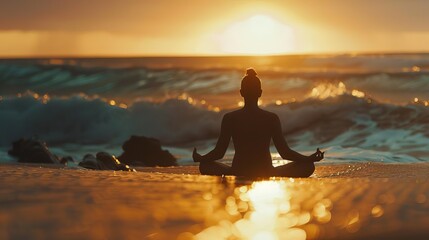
[(203, 27)]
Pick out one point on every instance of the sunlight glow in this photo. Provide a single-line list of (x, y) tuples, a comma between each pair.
[(326, 90), (358, 93), (258, 35), (265, 212)]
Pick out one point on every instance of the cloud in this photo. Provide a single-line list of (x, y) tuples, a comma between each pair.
[(154, 18), (161, 17), (137, 27)]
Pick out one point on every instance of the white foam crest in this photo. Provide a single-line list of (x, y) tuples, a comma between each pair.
[(343, 120), (93, 121)]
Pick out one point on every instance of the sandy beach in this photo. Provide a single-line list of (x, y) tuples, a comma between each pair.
[(340, 201)]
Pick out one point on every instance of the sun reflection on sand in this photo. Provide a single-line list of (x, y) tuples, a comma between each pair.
[(264, 211), (173, 205)]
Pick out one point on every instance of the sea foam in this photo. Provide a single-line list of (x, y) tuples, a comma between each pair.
[(375, 105), (342, 121)]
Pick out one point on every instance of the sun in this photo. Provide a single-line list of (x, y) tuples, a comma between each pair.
[(257, 35)]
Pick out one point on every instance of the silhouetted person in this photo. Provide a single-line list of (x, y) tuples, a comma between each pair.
[(251, 130)]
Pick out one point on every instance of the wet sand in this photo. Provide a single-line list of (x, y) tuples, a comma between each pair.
[(342, 201)]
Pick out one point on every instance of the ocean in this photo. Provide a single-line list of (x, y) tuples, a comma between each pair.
[(358, 108)]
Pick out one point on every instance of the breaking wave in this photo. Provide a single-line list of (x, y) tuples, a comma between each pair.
[(396, 78), (363, 107), (342, 121)]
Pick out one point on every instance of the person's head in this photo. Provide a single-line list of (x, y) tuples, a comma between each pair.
[(251, 85)]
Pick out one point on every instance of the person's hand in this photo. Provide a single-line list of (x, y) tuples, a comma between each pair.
[(196, 156), (317, 156)]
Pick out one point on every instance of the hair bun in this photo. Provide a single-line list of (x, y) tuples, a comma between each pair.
[(251, 72)]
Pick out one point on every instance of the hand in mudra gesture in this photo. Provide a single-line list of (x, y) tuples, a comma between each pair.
[(317, 156)]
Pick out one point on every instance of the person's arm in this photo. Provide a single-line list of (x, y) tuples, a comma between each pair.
[(221, 146), (286, 152)]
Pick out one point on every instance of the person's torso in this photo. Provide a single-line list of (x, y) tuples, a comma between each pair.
[(251, 135)]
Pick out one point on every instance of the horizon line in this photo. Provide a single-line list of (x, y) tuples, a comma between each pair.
[(70, 56)]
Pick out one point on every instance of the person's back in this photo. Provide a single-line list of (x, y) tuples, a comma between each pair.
[(251, 130)]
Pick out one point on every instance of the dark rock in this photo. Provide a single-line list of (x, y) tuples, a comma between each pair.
[(103, 161), (89, 161), (32, 151), (143, 151)]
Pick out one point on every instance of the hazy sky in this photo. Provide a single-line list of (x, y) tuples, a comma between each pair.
[(200, 27)]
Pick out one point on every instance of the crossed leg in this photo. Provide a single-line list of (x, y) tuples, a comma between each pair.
[(215, 168), (295, 169)]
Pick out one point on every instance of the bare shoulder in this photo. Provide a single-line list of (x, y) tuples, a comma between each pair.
[(270, 115), (231, 115)]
